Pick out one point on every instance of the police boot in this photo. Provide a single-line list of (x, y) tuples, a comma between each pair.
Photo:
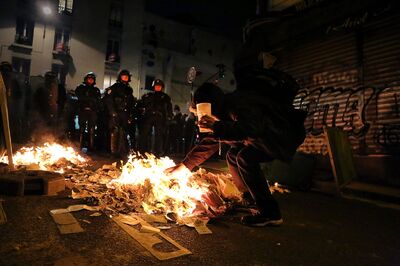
[(114, 143), (81, 139), (91, 139)]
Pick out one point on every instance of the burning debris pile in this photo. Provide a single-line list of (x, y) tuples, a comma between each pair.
[(138, 184), (49, 157), (141, 183)]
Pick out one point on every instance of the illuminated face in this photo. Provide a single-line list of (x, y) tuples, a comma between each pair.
[(125, 78), (90, 81), (157, 87)]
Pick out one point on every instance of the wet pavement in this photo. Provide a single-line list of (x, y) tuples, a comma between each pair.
[(318, 229)]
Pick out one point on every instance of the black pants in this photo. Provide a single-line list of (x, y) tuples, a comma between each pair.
[(145, 129), (87, 119), (244, 165), (118, 128)]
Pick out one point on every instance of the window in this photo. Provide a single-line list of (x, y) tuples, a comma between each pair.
[(65, 6), (60, 71), (61, 41), (109, 79), (115, 19), (24, 31), (112, 53), (21, 65), (149, 82)]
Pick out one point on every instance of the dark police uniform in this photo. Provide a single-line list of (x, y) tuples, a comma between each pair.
[(88, 106), (49, 102), (120, 103), (156, 111)]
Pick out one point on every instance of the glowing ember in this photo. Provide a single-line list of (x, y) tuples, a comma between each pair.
[(179, 194), (45, 156)]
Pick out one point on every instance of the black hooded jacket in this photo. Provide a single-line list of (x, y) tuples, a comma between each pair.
[(260, 117)]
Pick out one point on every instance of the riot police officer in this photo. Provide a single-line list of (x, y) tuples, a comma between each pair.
[(156, 111), (120, 103), (88, 106), (49, 100)]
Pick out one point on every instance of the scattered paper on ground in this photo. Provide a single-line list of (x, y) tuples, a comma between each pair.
[(154, 218), (128, 219), (201, 227), (149, 240), (203, 230), (66, 223), (149, 229), (74, 208)]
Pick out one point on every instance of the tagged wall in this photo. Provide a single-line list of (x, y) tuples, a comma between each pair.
[(351, 78), (371, 116)]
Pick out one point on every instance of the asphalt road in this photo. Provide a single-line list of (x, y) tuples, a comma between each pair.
[(317, 230)]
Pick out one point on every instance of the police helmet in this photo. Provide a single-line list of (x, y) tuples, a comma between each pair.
[(90, 75), (158, 82), (124, 72)]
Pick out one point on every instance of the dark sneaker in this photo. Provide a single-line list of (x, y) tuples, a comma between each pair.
[(259, 221)]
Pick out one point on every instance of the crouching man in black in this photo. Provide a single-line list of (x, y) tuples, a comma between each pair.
[(259, 123)]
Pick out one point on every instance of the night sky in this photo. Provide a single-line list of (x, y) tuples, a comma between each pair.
[(222, 16)]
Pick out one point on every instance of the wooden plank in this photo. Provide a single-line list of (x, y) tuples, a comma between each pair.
[(340, 155), (6, 123), (149, 240), (3, 217)]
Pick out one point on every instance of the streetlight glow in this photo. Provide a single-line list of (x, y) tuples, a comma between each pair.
[(46, 10)]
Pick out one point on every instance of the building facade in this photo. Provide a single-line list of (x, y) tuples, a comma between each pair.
[(345, 57), (59, 35)]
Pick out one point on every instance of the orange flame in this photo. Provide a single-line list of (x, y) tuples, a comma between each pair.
[(178, 193), (45, 156)]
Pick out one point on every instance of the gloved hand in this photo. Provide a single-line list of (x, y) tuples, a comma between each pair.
[(207, 121)]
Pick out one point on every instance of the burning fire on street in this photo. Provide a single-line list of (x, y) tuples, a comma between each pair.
[(177, 194), (49, 157), (138, 184)]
